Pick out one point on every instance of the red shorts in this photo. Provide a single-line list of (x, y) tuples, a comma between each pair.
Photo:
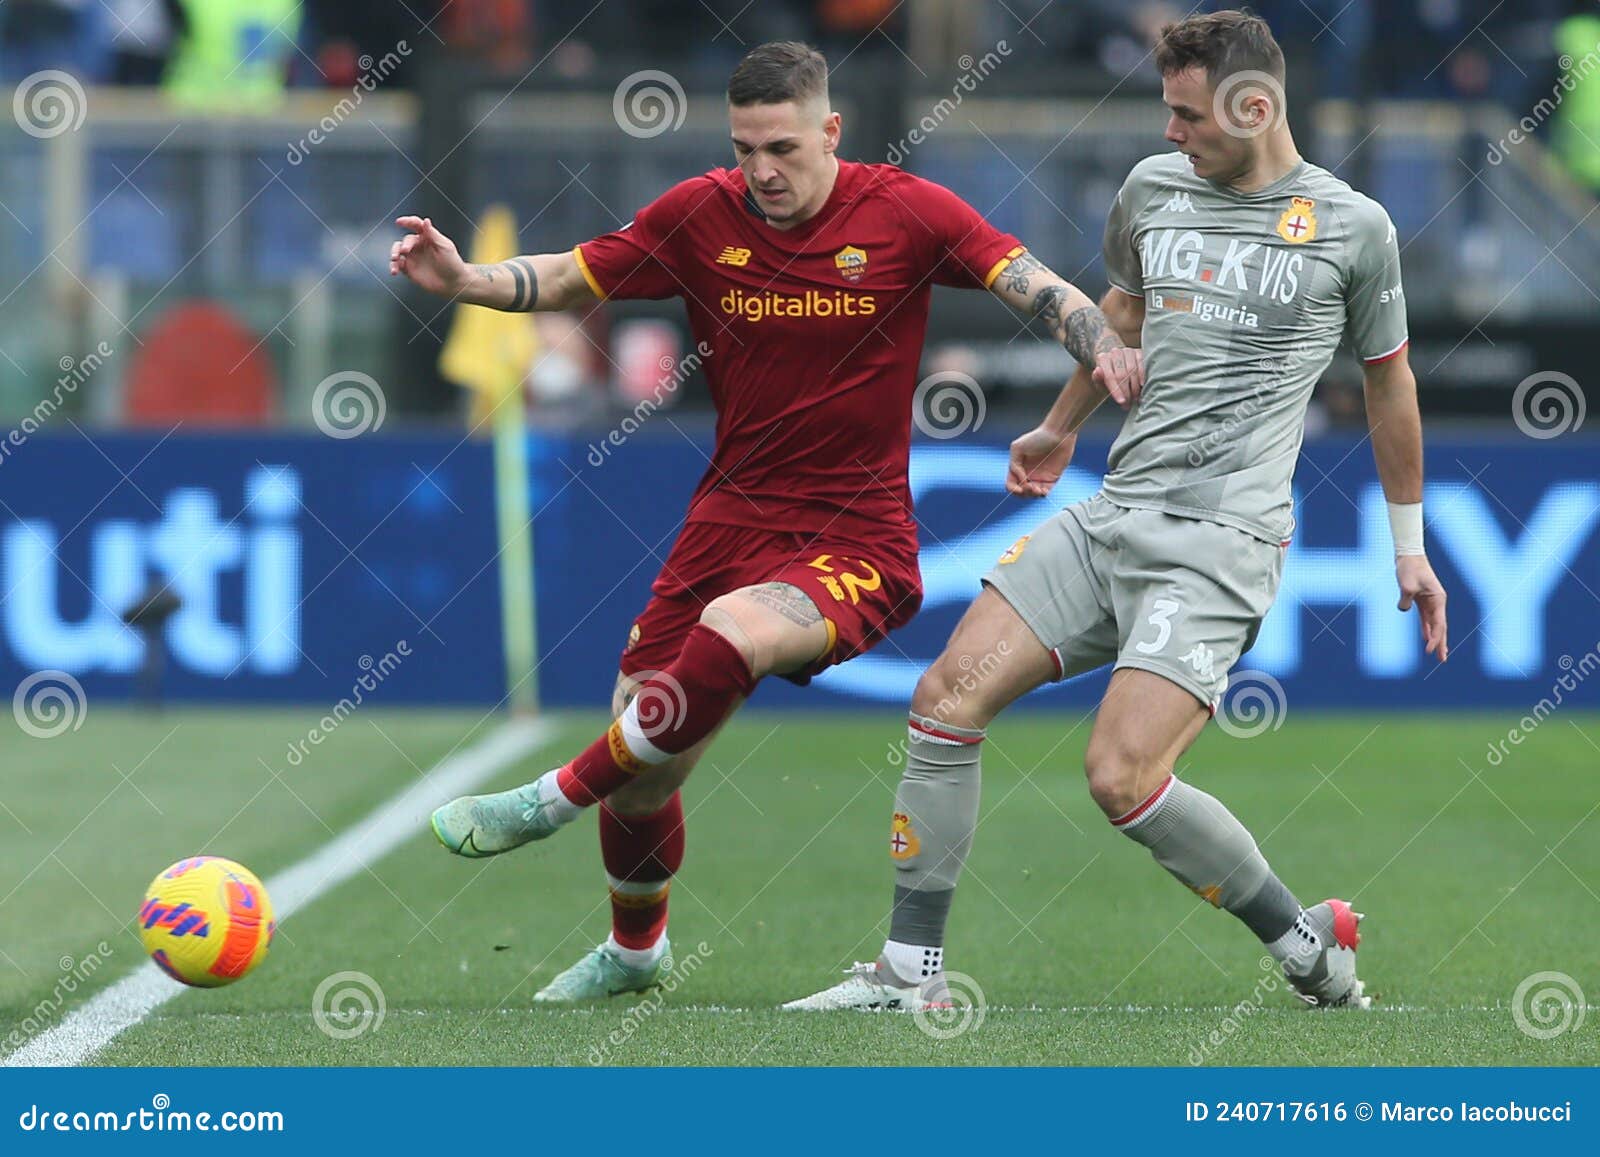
[(863, 592)]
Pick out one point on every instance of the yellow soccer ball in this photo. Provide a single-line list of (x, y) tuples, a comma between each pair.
[(206, 921)]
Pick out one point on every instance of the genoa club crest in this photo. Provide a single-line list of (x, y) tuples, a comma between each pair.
[(1298, 223)]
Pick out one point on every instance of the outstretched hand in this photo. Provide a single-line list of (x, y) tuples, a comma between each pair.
[(1037, 460), (1419, 585), (427, 257)]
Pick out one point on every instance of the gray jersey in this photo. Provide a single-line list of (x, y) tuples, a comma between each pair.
[(1246, 297)]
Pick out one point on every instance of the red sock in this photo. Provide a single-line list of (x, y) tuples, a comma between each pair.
[(674, 710), (641, 854)]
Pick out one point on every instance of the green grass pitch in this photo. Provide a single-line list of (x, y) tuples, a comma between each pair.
[(1473, 876)]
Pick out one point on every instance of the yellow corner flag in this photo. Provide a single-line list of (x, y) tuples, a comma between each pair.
[(488, 351)]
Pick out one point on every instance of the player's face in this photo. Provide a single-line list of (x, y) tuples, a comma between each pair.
[(786, 154), (1215, 153)]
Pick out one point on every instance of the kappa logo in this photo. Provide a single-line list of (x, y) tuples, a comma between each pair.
[(1201, 658), (1179, 203), (733, 256)]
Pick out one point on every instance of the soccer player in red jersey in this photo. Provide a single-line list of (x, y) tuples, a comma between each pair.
[(808, 280)]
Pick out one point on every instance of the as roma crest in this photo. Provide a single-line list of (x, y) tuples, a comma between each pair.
[(851, 263)]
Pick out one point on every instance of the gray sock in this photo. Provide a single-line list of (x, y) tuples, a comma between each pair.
[(1201, 843), (935, 812)]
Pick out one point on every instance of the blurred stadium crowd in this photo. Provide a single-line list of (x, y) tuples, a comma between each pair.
[(1507, 51), (191, 215)]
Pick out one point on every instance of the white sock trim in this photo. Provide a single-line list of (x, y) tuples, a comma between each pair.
[(1298, 948), (633, 735), (913, 962), (638, 957), (561, 809), (1146, 811)]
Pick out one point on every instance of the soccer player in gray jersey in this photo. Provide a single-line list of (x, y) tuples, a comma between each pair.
[(1237, 266)]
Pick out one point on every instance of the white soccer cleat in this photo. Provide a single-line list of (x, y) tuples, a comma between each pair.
[(867, 988), (1332, 981)]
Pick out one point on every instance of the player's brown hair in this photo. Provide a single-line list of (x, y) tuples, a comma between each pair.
[(776, 72), (1223, 43)]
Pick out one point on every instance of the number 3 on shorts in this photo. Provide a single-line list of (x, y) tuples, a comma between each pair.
[(1161, 620)]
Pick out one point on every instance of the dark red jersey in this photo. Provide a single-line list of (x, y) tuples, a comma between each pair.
[(815, 335)]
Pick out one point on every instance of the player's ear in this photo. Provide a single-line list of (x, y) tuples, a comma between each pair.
[(830, 132)]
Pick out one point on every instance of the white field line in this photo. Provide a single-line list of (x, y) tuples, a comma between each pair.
[(86, 1030), (620, 1010)]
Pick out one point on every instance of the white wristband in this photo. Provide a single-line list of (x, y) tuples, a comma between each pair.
[(1405, 524)]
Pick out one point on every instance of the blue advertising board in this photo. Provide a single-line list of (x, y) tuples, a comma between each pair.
[(1513, 530), (301, 561)]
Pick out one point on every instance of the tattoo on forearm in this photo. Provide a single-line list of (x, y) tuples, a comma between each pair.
[(789, 601), (1088, 335), (1047, 303), (524, 283), (1019, 272)]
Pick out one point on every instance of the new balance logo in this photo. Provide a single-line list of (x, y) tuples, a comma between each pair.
[(1179, 203), (732, 256)]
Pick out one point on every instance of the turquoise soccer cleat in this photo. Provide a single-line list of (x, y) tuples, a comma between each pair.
[(486, 825), (601, 974)]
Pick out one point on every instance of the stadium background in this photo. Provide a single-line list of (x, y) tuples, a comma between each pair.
[(246, 211), (213, 390)]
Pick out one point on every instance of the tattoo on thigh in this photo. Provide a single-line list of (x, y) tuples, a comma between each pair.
[(789, 601)]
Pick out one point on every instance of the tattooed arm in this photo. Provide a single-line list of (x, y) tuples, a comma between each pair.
[(547, 281), (1077, 323)]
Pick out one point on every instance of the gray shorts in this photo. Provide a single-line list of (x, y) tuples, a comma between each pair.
[(1177, 596)]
